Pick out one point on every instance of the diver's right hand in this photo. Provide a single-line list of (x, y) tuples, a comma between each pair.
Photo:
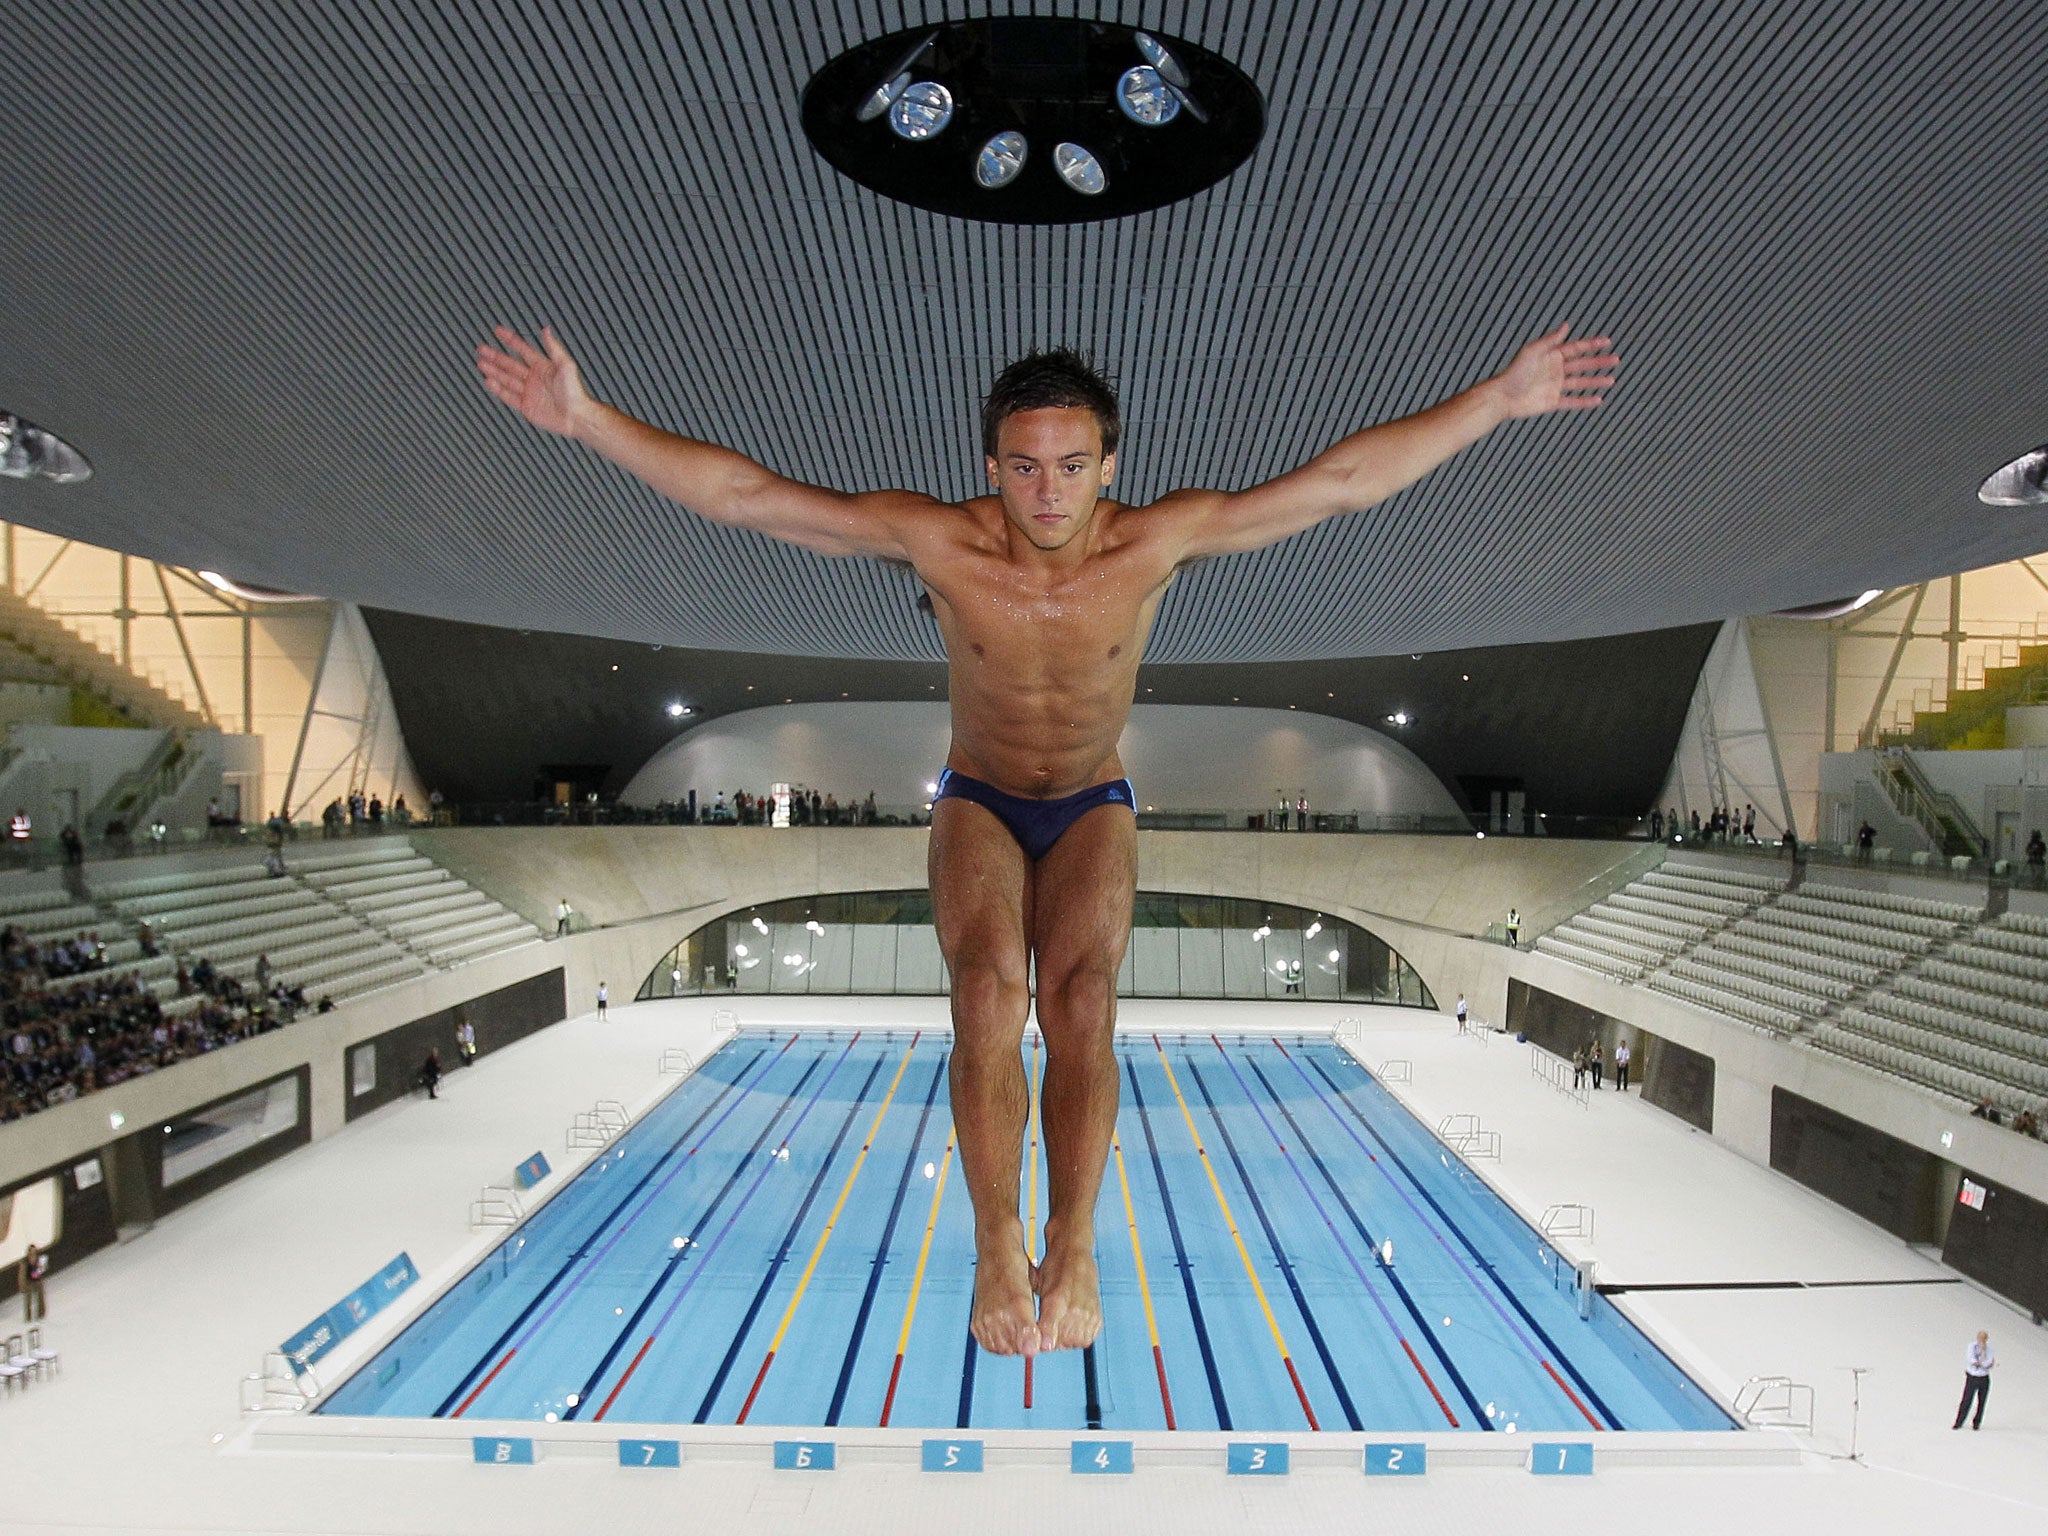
[(542, 386)]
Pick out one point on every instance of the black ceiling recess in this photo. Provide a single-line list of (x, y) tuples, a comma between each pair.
[(941, 117)]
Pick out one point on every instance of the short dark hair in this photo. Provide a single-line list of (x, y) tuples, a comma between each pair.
[(1038, 380)]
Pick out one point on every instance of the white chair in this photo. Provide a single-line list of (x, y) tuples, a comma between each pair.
[(44, 1358), (18, 1357)]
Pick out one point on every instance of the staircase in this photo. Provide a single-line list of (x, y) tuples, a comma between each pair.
[(1941, 816), (85, 666), (1973, 719)]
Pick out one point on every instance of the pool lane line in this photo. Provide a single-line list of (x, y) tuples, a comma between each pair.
[(1180, 1254), (1123, 1179), (1479, 1287), (1358, 1269), (858, 1334), (831, 1222), (706, 1254), (963, 1414), (1280, 1254), (1031, 1209), (917, 1280), (1251, 1273), (774, 1271), (580, 1251), (1436, 1345), (1091, 1389)]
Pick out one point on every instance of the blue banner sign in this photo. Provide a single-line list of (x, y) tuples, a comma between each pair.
[(650, 1453), (1101, 1456), (1258, 1458), (1397, 1459), (350, 1313), (503, 1453), (1562, 1458), (952, 1455), (532, 1171), (804, 1455)]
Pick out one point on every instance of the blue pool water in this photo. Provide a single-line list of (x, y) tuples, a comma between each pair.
[(1255, 1179)]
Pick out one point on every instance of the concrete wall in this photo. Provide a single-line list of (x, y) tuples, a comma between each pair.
[(1179, 757)]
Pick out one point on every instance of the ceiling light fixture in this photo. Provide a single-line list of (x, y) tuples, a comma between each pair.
[(2022, 483), (894, 83), (251, 593), (30, 452), (1001, 160), (1145, 97), (921, 112), (1079, 169), (676, 710)]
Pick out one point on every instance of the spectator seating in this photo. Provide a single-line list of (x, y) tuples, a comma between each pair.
[(414, 902)]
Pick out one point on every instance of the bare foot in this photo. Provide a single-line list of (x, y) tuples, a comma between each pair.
[(1003, 1321), (1069, 1298)]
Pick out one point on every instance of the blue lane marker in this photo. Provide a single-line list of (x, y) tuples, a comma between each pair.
[(1403, 1458), (804, 1455), (1258, 1458), (1562, 1458), (952, 1455), (1102, 1456), (503, 1453), (650, 1453)]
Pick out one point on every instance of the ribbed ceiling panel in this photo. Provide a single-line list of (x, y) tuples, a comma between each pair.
[(250, 247)]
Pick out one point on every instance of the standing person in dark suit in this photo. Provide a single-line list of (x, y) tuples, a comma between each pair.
[(430, 1074), (1595, 1065), (29, 1281), (1977, 1363)]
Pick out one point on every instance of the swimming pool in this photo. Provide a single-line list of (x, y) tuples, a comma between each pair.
[(786, 1240)]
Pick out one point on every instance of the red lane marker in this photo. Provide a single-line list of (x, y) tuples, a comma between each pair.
[(1568, 1392), (613, 1395), (1429, 1384), (1295, 1376), (479, 1392), (1027, 1381), (759, 1376), (1165, 1397), (889, 1401)]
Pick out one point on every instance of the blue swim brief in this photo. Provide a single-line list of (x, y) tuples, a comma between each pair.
[(1036, 824)]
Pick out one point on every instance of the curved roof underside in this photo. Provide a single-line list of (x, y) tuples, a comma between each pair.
[(250, 245)]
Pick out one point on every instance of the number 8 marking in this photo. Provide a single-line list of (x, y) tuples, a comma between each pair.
[(503, 1452)]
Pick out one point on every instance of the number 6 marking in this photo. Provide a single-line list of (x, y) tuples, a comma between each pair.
[(803, 1455)]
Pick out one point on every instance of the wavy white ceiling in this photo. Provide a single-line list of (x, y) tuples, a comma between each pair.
[(249, 246)]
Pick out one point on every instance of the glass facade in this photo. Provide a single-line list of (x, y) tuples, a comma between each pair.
[(882, 943)]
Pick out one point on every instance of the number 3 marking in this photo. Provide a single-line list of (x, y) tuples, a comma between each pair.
[(1258, 1457)]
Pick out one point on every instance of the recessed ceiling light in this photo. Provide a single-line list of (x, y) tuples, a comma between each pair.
[(1079, 169), (676, 711), (2022, 483), (28, 452), (923, 109), (1001, 160), (894, 83), (1145, 97)]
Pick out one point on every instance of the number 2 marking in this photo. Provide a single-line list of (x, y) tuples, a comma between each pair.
[(1394, 1459)]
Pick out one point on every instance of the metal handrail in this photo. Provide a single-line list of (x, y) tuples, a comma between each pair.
[(1775, 1402)]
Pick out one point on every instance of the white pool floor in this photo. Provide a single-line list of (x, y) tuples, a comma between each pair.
[(156, 1334)]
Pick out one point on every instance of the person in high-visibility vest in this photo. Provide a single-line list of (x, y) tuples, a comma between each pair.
[(18, 829)]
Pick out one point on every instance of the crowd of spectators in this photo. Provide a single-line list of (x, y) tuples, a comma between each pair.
[(360, 813), (65, 1031), (807, 808), (2026, 1121), (1722, 824)]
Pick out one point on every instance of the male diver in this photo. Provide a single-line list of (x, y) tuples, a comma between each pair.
[(1044, 591)]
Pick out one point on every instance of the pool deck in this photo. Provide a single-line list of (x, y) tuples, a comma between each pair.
[(141, 1431)]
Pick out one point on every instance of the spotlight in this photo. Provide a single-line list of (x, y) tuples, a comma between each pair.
[(922, 111), (894, 83), (676, 711), (1079, 169), (1001, 160), (1146, 98), (2022, 483)]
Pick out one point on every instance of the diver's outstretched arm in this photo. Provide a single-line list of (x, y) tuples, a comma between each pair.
[(543, 385), (1551, 373)]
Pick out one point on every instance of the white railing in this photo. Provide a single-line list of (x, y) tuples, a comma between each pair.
[(274, 1388), (1395, 1069), (597, 1126), (1464, 1135), (1567, 1220), (1558, 1074), (725, 1022), (1775, 1402), (676, 1062), (497, 1205)]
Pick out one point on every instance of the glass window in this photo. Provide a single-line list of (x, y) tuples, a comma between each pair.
[(883, 943), (197, 1142)]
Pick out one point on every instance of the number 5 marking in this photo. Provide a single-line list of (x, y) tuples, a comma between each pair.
[(952, 1455)]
